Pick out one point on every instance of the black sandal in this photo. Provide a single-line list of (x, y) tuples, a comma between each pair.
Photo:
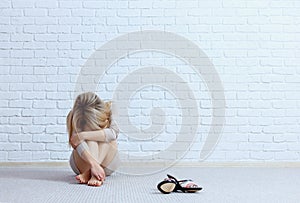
[(185, 185), (167, 186)]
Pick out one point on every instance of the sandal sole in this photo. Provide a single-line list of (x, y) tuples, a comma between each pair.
[(168, 187)]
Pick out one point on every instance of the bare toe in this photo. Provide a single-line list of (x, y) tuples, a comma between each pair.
[(94, 182), (84, 177), (80, 178)]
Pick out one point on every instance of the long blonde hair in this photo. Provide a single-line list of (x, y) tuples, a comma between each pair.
[(89, 112)]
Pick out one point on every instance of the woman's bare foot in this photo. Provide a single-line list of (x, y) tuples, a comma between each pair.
[(98, 172), (84, 177), (94, 182)]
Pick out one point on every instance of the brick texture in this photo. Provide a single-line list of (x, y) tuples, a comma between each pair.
[(254, 46)]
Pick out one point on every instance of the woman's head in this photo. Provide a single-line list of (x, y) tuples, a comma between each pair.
[(89, 112)]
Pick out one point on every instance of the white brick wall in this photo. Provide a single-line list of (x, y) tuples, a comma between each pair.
[(254, 45)]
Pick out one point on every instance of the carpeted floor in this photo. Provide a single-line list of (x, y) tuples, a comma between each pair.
[(220, 185)]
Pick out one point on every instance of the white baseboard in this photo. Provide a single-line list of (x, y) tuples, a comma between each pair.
[(65, 164)]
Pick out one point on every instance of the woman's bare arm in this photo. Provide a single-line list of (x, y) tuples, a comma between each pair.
[(103, 135), (95, 135)]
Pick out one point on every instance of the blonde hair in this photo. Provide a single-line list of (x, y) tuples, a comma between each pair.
[(89, 112)]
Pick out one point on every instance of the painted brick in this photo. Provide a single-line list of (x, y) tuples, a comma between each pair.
[(20, 138), (262, 155), (41, 138), (20, 156), (93, 4), (9, 147), (22, 4), (59, 155), (286, 156), (33, 146), (41, 155)]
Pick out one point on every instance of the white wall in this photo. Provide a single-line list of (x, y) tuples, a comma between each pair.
[(254, 45)]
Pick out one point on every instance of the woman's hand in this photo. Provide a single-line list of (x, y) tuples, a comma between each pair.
[(98, 172), (76, 139)]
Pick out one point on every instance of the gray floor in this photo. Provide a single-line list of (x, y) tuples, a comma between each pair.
[(220, 185)]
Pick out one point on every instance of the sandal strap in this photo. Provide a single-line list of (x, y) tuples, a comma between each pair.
[(171, 177), (170, 180), (188, 184), (181, 184), (184, 180)]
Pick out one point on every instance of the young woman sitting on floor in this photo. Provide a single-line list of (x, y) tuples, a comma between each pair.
[(92, 134)]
